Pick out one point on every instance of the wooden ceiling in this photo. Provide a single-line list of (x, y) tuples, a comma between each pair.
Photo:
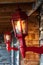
[(6, 11)]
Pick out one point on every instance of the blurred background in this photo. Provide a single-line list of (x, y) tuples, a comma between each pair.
[(34, 10)]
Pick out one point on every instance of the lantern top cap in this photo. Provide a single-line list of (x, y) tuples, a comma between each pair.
[(7, 33), (19, 14)]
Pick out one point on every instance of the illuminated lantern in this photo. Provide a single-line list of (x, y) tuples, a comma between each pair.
[(19, 22), (7, 40)]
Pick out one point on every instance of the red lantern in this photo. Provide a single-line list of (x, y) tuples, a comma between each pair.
[(7, 40), (20, 28)]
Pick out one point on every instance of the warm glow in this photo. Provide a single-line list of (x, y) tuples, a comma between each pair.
[(23, 26), (7, 37), (18, 27)]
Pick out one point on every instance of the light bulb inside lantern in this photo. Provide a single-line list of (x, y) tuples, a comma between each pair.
[(18, 27), (7, 37)]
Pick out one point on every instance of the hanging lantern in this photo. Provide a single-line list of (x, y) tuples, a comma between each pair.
[(7, 40), (19, 22), (20, 27)]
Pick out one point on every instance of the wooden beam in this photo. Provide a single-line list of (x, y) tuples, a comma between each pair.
[(16, 1)]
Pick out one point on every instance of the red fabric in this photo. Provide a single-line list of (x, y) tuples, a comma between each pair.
[(10, 48), (13, 48), (38, 50), (23, 49)]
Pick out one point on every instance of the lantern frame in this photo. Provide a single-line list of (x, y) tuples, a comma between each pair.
[(21, 18)]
